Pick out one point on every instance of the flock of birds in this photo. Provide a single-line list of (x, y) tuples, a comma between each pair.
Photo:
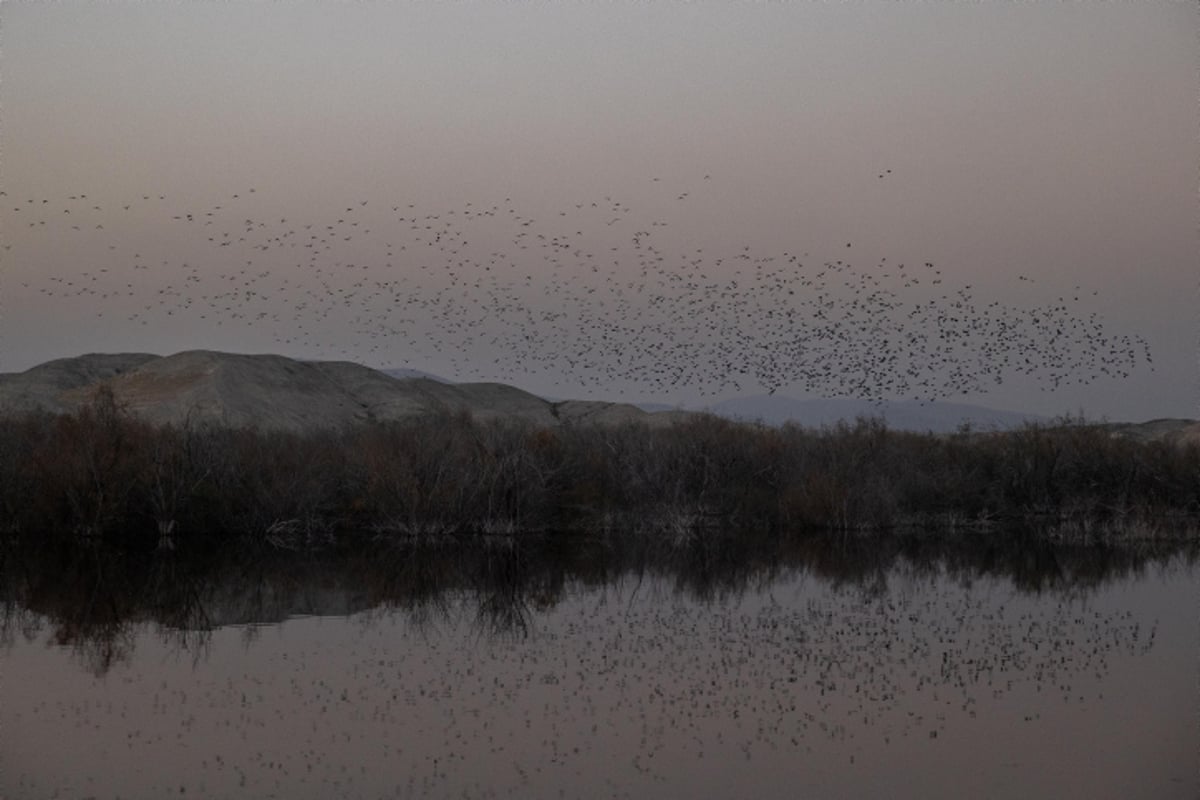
[(629, 689), (592, 294)]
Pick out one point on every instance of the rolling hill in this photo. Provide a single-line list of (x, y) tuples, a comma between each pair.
[(272, 392)]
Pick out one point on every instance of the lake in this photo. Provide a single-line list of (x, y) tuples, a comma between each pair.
[(816, 668)]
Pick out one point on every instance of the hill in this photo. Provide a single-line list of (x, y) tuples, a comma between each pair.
[(273, 392)]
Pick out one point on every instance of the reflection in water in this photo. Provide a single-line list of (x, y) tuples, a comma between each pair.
[(725, 666), (94, 596)]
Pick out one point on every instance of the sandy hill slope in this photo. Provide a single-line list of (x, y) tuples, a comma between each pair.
[(272, 392), (43, 386), (1175, 431), (409, 372), (235, 390)]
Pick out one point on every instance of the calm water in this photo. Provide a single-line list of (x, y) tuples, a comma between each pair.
[(791, 674)]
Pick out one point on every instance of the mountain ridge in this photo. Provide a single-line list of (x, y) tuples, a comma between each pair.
[(274, 392)]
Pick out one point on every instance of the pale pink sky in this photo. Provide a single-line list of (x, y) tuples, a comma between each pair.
[(1053, 141)]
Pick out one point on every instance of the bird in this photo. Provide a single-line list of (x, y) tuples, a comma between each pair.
[(617, 299)]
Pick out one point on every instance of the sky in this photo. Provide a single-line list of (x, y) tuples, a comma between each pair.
[(669, 202)]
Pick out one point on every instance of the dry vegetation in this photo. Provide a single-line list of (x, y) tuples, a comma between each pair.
[(100, 473)]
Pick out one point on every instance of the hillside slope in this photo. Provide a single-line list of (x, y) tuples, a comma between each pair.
[(273, 392)]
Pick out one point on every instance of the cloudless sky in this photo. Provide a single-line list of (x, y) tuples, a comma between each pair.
[(1052, 141)]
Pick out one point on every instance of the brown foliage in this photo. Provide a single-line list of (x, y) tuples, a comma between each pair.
[(101, 473)]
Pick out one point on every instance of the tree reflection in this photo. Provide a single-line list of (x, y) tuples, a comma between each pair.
[(96, 597)]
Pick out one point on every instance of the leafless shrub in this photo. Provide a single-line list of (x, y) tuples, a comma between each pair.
[(101, 474)]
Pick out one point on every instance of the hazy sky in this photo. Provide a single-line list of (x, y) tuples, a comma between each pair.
[(445, 158)]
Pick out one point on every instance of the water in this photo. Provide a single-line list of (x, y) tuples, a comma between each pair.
[(821, 671)]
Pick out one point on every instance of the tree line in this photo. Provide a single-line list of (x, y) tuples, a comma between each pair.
[(103, 473)]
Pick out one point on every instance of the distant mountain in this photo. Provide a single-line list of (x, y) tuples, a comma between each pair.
[(909, 415), (274, 392)]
